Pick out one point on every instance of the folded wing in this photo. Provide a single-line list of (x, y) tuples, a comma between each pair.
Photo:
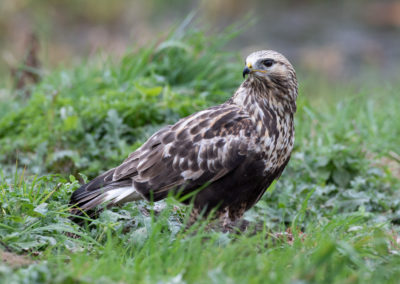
[(196, 150)]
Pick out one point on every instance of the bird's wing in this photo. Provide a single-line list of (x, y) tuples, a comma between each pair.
[(196, 150)]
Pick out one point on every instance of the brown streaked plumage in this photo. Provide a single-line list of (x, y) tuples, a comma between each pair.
[(234, 150)]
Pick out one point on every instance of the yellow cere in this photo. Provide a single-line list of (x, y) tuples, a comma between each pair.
[(255, 70)]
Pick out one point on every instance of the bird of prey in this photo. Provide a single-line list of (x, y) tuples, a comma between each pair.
[(226, 155)]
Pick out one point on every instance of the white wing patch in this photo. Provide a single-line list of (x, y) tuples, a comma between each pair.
[(116, 195)]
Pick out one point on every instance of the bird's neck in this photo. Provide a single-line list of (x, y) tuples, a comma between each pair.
[(258, 97)]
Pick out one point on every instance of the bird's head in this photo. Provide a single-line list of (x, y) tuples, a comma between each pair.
[(272, 69), (268, 64)]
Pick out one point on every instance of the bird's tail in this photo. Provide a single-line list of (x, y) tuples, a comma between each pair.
[(87, 199)]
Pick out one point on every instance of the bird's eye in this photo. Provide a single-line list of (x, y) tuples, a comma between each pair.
[(268, 62)]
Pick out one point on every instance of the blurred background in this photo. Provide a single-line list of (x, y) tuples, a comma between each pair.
[(340, 40)]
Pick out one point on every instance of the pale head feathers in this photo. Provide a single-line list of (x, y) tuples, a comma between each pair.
[(271, 75), (267, 63)]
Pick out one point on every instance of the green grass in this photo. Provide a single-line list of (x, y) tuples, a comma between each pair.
[(332, 217), (127, 245)]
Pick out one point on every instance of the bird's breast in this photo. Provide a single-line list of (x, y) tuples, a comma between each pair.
[(276, 138)]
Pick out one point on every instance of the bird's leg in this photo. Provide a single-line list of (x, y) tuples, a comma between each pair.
[(194, 216), (233, 221), (227, 222)]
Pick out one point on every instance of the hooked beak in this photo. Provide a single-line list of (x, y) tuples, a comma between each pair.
[(246, 71)]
